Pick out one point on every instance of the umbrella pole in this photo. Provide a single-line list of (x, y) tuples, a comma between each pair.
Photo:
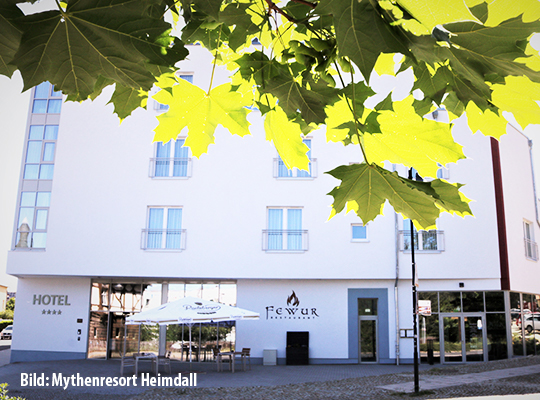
[(217, 335), (190, 346), (125, 334)]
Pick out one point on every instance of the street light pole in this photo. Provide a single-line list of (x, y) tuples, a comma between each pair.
[(415, 306)]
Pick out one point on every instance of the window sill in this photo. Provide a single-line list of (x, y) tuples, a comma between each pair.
[(531, 259), (360, 240), (294, 178), (422, 251), (285, 251), (163, 250), (21, 249), (168, 178)]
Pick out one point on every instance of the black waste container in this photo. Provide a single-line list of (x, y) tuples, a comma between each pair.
[(297, 350)]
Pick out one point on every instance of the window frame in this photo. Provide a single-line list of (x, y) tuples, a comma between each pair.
[(359, 240), (530, 245), (165, 232), (295, 173), (284, 233), (152, 173)]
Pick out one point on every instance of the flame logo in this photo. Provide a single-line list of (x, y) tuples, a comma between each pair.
[(292, 299)]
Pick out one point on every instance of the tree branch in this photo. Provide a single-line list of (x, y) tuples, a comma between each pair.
[(272, 6), (306, 3)]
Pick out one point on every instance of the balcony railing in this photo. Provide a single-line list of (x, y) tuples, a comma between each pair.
[(285, 240), (281, 170), (531, 249), (163, 239), (423, 240), (170, 168)]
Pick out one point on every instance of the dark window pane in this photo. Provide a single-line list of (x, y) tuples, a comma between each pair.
[(450, 301), (496, 336), (473, 301), (367, 306), (495, 301), (432, 296), (514, 301), (429, 338)]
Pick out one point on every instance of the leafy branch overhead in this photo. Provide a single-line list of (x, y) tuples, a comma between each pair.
[(303, 65)]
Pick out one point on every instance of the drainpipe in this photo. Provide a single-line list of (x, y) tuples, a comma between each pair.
[(533, 182), (396, 245)]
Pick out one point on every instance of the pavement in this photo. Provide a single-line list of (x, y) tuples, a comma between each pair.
[(384, 379)]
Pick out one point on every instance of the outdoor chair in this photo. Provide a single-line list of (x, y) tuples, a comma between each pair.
[(245, 357), (128, 362), (165, 361)]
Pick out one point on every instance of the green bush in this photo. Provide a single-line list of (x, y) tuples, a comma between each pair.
[(3, 324), (4, 395), (10, 305), (8, 314)]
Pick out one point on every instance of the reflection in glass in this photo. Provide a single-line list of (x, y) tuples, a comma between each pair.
[(97, 335), (495, 301), (99, 299), (473, 301), (496, 336), (452, 339), (450, 301), (474, 342), (151, 297), (368, 340), (367, 306), (429, 338)]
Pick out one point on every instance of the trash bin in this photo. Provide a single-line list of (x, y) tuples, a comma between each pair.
[(297, 351), (430, 358)]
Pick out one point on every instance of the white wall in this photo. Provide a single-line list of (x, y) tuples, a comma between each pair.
[(14, 106), (35, 330)]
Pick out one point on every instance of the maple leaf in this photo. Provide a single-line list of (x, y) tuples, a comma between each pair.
[(404, 132), (117, 39), (365, 188), (200, 112), (287, 138), (10, 36)]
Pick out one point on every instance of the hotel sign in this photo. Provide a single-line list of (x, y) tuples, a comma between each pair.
[(291, 310), (51, 301)]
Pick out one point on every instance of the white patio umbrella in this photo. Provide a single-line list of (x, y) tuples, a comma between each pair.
[(190, 310)]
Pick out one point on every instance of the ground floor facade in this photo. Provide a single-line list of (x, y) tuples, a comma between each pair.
[(313, 321)]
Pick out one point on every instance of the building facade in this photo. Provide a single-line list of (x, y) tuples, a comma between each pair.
[(109, 223)]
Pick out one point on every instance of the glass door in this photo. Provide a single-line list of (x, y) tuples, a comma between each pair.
[(453, 349), (368, 340), (474, 338), (464, 338)]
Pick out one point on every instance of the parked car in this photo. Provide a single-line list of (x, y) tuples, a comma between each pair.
[(6, 333), (531, 322)]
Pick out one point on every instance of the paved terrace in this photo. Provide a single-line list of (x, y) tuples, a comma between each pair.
[(518, 376)]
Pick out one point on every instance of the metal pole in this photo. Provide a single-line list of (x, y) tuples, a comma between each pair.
[(415, 306)]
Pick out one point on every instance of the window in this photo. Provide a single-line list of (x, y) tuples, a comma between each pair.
[(46, 100), (32, 220), (284, 231), (40, 151), (164, 229), (359, 233), (531, 248), (281, 170), (432, 240), (172, 160)]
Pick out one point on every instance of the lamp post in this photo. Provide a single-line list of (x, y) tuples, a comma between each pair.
[(415, 306)]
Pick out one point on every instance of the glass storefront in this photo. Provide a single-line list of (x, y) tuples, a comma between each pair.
[(112, 302), (463, 327)]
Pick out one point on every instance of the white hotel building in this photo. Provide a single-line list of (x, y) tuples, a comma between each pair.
[(108, 223)]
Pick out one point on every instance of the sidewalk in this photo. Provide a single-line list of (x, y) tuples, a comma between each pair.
[(312, 382)]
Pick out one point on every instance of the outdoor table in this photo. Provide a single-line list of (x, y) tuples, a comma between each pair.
[(231, 355), (146, 356)]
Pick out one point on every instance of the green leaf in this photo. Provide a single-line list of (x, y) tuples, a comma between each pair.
[(126, 99), (192, 108), (450, 199), (287, 138), (362, 34), (10, 36), (437, 12), (365, 188), (236, 15), (116, 39), (413, 141)]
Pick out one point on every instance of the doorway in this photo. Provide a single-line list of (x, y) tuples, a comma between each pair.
[(464, 338), (368, 331)]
